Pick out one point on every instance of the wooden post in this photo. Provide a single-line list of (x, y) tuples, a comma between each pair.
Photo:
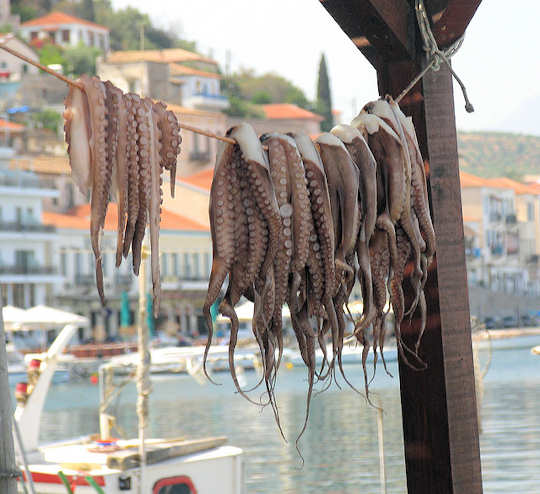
[(8, 467), (440, 427)]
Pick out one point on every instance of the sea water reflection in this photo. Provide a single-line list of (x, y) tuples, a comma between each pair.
[(340, 445)]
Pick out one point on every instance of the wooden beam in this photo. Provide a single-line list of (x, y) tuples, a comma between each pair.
[(440, 427), (451, 22), (379, 28)]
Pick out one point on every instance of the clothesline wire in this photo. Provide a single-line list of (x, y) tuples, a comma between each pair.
[(73, 83), (430, 46)]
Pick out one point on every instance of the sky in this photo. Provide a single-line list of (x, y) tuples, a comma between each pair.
[(499, 61)]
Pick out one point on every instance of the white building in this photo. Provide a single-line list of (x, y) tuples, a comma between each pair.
[(185, 247), (66, 30), (12, 68), (174, 75), (26, 244)]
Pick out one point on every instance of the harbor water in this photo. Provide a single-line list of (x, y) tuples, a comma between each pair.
[(340, 446)]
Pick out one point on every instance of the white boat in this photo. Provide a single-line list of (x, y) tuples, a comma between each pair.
[(351, 354), (100, 464), (536, 350), (18, 368), (177, 360)]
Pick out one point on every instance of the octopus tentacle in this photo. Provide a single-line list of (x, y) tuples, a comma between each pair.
[(78, 131), (154, 206), (95, 92), (145, 181), (222, 228), (170, 141), (132, 151), (343, 182)]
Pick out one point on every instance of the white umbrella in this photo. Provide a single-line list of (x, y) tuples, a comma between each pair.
[(46, 317), (13, 317)]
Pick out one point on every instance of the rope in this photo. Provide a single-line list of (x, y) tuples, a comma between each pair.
[(10, 474), (435, 54)]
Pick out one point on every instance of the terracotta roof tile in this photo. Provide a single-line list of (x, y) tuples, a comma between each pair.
[(202, 179), (60, 18), (78, 218), (177, 69), (287, 111), (172, 55), (508, 183), (469, 180)]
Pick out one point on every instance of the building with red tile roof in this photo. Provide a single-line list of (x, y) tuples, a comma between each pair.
[(65, 30), (78, 218), (288, 111), (201, 180)]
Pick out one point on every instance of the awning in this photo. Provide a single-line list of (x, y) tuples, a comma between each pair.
[(13, 317), (44, 317)]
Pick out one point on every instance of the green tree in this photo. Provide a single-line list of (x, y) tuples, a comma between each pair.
[(261, 98), (324, 98), (87, 10), (51, 54), (47, 119), (80, 59)]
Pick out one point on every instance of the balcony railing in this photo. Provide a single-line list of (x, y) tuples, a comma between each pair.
[(17, 180), (497, 250), (25, 269), (90, 279), (16, 226), (199, 156), (495, 217)]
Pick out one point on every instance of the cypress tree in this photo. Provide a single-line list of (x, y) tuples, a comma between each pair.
[(89, 12), (324, 98)]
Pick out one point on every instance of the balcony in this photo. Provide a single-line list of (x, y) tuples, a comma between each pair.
[(202, 156), (206, 101), (25, 227), (21, 180), (511, 219), (497, 250), (28, 270), (118, 280)]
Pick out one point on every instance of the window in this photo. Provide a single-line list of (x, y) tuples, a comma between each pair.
[(25, 68), (187, 267), (164, 265), (77, 262), (81, 36), (66, 35), (174, 262), (196, 266), (530, 211), (90, 38), (33, 35), (102, 41), (206, 264), (18, 215), (174, 485), (3, 65), (63, 263)]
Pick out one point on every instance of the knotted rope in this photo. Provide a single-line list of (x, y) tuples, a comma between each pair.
[(435, 55)]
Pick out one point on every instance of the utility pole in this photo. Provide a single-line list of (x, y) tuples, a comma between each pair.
[(8, 468)]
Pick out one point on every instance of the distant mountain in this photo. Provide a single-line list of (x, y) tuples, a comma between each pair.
[(494, 154)]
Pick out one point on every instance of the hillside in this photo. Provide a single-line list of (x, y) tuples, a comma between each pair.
[(494, 154)]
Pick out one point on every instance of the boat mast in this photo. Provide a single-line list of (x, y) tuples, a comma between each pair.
[(143, 369), (8, 468)]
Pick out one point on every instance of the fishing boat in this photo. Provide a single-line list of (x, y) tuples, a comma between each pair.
[(107, 465), (351, 354), (188, 359)]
